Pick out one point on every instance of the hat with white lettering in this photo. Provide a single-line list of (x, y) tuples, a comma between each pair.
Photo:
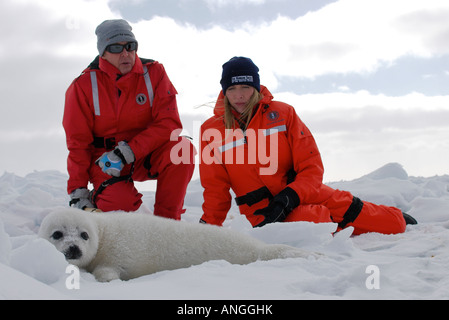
[(240, 70), (113, 31)]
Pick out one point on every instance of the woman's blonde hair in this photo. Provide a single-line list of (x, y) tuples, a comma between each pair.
[(246, 115)]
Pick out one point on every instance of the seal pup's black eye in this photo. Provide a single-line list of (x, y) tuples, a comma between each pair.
[(57, 235), (84, 235)]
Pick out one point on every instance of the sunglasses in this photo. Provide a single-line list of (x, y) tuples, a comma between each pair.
[(118, 48)]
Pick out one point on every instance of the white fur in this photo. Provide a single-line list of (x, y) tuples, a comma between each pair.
[(128, 245)]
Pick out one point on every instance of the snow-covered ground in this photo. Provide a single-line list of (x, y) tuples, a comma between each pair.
[(413, 265)]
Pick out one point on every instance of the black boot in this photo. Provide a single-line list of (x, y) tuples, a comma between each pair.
[(409, 219)]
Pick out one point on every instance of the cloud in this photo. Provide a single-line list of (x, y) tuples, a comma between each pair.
[(358, 36), (359, 132), (218, 4), (46, 45), (429, 25), (204, 14), (359, 111), (406, 74), (344, 37), (347, 37)]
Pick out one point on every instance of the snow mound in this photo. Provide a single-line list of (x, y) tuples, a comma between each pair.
[(28, 260), (5, 245), (390, 170), (412, 265)]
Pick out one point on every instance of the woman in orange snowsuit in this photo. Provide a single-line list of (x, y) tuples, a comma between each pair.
[(261, 150)]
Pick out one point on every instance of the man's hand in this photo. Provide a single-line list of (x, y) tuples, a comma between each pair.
[(80, 198), (112, 162)]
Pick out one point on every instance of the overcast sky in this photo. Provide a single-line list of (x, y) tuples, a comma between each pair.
[(370, 78)]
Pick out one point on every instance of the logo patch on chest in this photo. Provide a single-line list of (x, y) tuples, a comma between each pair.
[(273, 115), (141, 99)]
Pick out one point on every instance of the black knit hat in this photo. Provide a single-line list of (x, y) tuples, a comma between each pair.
[(240, 70)]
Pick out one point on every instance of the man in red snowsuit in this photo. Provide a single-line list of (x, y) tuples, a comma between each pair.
[(122, 123)]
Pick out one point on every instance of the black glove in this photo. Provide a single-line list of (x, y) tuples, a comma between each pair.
[(279, 207)]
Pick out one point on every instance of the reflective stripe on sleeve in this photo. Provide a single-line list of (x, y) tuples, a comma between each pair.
[(149, 85), (93, 79), (273, 130)]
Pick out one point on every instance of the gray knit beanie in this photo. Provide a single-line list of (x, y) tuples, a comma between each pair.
[(113, 31)]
